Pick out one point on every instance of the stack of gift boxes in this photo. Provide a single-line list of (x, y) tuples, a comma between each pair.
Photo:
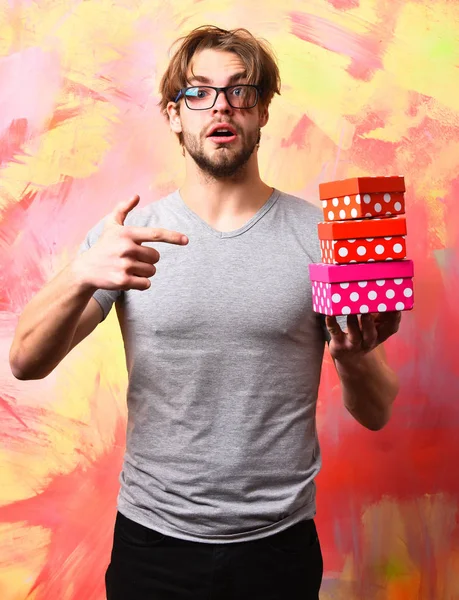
[(364, 266)]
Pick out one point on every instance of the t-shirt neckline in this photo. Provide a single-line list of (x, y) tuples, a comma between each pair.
[(229, 234)]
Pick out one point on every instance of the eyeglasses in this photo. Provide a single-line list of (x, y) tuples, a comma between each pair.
[(203, 97)]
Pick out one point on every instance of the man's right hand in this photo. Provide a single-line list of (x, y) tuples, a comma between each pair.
[(118, 261)]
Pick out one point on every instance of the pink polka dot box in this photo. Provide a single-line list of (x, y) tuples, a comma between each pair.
[(362, 287)]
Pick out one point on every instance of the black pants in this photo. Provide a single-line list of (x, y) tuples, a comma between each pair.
[(147, 565)]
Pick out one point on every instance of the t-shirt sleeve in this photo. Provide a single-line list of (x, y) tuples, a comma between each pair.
[(105, 298)]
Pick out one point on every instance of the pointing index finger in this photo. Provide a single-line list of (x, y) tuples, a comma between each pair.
[(153, 234)]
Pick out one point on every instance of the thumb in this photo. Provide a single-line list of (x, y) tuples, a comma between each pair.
[(334, 329), (122, 209)]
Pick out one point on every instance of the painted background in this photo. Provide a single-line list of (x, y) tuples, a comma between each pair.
[(369, 87)]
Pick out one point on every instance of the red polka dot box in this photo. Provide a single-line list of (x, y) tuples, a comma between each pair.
[(363, 197), (362, 240), (362, 287)]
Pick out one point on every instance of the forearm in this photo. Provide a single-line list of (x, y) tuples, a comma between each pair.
[(47, 325), (369, 388)]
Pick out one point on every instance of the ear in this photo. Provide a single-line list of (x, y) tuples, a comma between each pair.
[(174, 117), (264, 116)]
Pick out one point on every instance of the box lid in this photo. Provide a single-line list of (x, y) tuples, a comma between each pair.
[(399, 269), (362, 228), (361, 185)]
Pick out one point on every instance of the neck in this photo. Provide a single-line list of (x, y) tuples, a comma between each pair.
[(216, 199)]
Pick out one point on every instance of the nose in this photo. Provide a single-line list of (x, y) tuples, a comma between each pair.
[(222, 104)]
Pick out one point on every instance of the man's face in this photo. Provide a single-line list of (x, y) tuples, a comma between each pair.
[(218, 157)]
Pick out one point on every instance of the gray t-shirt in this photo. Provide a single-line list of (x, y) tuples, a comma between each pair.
[(224, 355)]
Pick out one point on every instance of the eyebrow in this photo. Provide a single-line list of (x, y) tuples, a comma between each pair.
[(235, 77)]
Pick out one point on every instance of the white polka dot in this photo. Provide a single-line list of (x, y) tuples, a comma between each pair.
[(387, 197), (357, 199), (321, 284), (353, 260), (364, 308), (354, 213), (342, 214), (398, 281), (380, 282), (328, 302), (361, 250), (399, 306), (398, 248), (347, 200), (382, 307), (331, 215), (372, 295), (390, 294), (367, 198), (324, 203), (362, 284), (368, 215), (336, 298), (388, 239), (369, 239), (379, 249), (408, 292), (371, 260), (351, 241), (389, 258), (343, 252), (346, 310), (354, 296), (344, 286), (388, 213), (378, 207), (398, 206), (335, 201)]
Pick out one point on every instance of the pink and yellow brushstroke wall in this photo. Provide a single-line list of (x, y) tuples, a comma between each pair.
[(370, 87)]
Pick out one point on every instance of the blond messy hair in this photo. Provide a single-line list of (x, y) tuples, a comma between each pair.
[(256, 55)]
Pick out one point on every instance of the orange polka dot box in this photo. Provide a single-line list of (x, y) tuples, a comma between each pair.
[(363, 251), (363, 240), (363, 197)]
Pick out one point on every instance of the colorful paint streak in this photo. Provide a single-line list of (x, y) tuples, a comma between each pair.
[(369, 88)]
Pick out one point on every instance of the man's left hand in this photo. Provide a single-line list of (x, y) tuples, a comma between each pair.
[(363, 335)]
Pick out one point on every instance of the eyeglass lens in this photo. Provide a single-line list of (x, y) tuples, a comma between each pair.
[(202, 97)]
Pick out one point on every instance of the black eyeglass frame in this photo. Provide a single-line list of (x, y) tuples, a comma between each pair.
[(182, 93)]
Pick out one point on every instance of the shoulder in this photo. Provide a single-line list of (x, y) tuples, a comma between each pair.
[(149, 215), (305, 208), (152, 213), (299, 218)]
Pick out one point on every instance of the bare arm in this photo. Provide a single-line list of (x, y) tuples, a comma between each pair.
[(63, 313), (369, 387), (60, 316), (369, 384)]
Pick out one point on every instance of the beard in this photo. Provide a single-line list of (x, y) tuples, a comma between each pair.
[(225, 163)]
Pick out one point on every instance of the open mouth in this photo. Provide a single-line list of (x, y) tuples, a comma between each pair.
[(222, 135)]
